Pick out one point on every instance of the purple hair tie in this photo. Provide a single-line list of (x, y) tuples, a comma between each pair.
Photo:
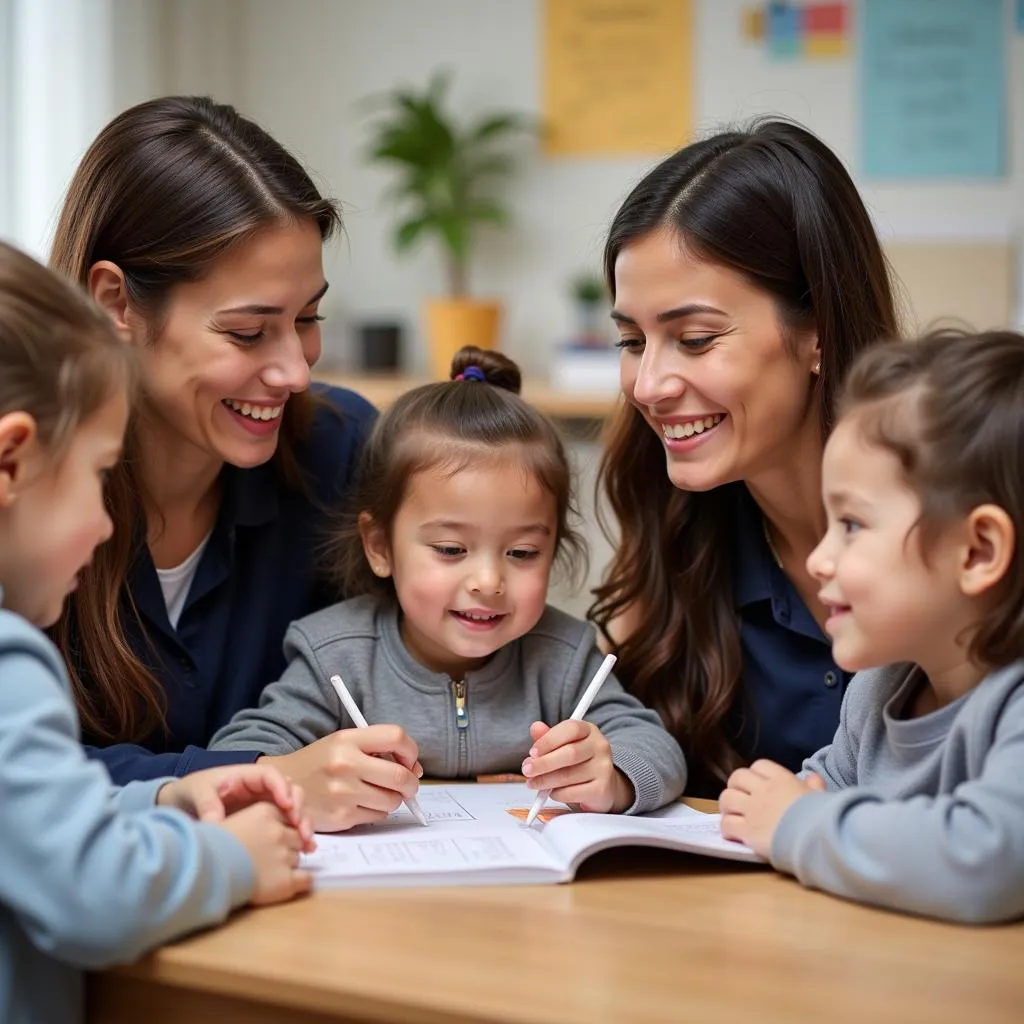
[(471, 373)]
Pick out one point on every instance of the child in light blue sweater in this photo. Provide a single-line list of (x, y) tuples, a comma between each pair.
[(91, 875), (918, 802)]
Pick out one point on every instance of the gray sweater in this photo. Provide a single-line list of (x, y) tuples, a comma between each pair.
[(538, 677), (90, 875), (924, 815)]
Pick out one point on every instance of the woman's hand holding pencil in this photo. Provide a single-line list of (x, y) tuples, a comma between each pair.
[(353, 776)]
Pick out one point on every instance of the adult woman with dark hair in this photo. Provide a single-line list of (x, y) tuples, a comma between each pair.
[(746, 275), (202, 237)]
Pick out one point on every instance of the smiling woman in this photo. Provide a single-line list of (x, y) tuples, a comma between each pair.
[(745, 275), (201, 236)]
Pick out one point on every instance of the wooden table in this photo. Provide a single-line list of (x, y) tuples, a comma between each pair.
[(383, 389), (642, 935)]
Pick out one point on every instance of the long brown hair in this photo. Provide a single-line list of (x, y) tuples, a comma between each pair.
[(477, 414), (950, 407), (166, 189), (60, 357), (776, 205)]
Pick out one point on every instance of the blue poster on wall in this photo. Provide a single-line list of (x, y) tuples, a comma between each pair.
[(933, 88)]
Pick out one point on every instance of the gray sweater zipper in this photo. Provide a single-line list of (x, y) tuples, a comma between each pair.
[(461, 723)]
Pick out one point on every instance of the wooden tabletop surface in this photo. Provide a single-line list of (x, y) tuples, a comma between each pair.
[(641, 935)]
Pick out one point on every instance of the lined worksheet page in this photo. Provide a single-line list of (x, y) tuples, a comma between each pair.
[(474, 829)]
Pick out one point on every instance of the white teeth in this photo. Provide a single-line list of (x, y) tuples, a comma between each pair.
[(255, 412), (691, 427), (479, 618)]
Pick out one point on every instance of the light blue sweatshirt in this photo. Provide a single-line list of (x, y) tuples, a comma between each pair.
[(921, 814), (90, 875)]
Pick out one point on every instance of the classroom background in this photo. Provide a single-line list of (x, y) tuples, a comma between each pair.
[(611, 87)]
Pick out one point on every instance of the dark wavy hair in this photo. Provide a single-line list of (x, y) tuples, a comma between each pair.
[(776, 205), (165, 190)]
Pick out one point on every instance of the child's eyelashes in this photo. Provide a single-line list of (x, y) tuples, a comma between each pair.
[(523, 554), (850, 525), (448, 550), (452, 551)]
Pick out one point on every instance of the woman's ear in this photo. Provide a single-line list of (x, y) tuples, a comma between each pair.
[(815, 355), (18, 449), (108, 288), (375, 545), (987, 551)]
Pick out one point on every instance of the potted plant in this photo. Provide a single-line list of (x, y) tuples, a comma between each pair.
[(589, 298), (446, 189)]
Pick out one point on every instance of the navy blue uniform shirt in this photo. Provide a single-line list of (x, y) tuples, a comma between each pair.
[(256, 575), (792, 689)]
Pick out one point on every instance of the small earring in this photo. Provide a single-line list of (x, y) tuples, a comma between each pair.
[(379, 570), (816, 369)]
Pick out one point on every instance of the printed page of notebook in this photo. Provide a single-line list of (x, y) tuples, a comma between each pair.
[(474, 830)]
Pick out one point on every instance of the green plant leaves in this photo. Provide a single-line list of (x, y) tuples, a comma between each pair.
[(447, 176)]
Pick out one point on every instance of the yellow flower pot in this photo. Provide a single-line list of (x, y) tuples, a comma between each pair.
[(452, 323)]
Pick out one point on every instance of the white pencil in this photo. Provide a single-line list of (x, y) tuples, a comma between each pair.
[(581, 709), (361, 723)]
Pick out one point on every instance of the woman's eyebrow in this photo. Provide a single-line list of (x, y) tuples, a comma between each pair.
[(690, 309), (257, 310)]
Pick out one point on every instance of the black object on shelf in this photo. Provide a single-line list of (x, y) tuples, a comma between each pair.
[(380, 346)]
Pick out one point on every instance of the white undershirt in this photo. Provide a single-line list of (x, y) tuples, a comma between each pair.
[(176, 582)]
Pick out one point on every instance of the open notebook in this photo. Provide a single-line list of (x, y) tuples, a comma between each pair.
[(476, 836)]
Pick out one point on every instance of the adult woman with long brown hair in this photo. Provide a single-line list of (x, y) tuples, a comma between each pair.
[(745, 275), (202, 236)]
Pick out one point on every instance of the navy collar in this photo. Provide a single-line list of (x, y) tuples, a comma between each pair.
[(752, 574), (757, 578), (249, 498)]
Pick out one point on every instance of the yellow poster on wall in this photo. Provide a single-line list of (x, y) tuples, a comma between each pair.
[(618, 76)]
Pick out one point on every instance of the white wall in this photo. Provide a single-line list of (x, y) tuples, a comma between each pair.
[(300, 69), (306, 63), (57, 93)]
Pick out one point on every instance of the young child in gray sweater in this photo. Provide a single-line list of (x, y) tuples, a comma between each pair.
[(464, 506), (918, 803)]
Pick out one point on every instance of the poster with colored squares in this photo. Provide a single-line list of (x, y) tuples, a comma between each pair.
[(796, 31)]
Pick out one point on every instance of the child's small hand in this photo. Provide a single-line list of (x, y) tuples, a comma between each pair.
[(215, 793), (574, 761), (274, 847), (756, 799)]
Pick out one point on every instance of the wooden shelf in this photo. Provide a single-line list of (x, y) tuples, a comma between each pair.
[(383, 389)]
